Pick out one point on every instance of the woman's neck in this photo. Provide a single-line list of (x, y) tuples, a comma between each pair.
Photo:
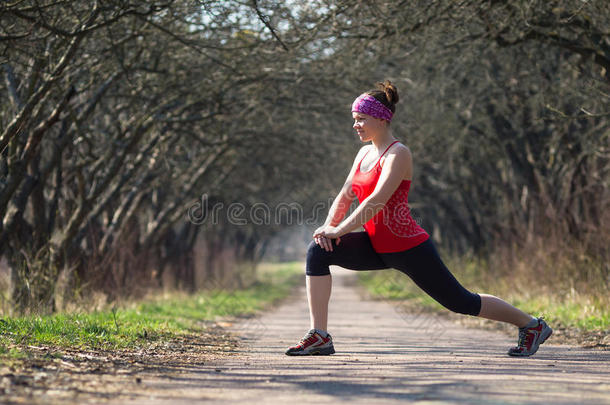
[(383, 141)]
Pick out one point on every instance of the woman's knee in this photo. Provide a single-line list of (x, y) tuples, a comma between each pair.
[(468, 304), (317, 260)]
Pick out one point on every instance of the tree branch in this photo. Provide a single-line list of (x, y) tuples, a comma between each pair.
[(265, 20)]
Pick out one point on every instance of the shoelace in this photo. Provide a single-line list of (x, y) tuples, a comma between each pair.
[(522, 337), (307, 337)]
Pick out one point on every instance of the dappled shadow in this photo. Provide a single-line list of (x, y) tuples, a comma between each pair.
[(391, 373)]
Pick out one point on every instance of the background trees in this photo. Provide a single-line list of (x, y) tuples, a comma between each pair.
[(117, 117)]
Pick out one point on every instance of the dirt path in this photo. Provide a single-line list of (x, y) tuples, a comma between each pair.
[(384, 357)]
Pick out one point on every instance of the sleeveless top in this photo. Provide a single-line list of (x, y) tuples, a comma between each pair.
[(392, 229)]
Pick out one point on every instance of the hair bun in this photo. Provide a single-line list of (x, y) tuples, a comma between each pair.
[(391, 92)]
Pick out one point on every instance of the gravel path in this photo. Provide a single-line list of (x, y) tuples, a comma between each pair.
[(385, 357)]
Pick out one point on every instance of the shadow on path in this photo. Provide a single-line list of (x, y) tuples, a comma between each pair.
[(386, 357)]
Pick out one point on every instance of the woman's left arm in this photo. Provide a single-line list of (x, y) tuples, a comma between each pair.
[(396, 164)]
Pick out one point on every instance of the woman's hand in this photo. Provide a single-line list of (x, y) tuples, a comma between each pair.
[(324, 235)]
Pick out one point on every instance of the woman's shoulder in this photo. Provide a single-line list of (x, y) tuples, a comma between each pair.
[(400, 149), (398, 152)]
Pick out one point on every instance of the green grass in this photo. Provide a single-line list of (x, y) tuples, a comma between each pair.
[(560, 307), (580, 312), (137, 324), (392, 285)]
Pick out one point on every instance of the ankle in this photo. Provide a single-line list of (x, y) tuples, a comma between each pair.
[(321, 332), (531, 323)]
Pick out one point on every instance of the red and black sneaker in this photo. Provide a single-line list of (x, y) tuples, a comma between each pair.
[(530, 338), (312, 344)]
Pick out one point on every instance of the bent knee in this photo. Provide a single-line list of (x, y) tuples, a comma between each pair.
[(317, 260), (469, 304)]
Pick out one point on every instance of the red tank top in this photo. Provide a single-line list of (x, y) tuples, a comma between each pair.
[(392, 229)]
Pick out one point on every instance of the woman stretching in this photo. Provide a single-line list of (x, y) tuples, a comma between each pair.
[(380, 177)]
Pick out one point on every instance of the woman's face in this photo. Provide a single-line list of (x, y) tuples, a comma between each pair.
[(367, 127)]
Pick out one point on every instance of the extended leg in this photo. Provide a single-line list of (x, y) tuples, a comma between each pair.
[(499, 310), (427, 270)]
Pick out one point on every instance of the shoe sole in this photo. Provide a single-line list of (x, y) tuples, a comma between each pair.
[(316, 352), (542, 340)]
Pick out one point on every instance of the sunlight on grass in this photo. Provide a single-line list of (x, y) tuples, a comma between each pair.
[(137, 323)]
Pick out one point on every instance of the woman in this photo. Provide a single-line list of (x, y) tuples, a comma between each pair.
[(380, 177)]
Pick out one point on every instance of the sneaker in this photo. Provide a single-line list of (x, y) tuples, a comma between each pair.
[(312, 344), (531, 338)]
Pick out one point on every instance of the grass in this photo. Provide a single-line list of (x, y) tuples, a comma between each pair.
[(580, 312), (137, 324), (561, 305)]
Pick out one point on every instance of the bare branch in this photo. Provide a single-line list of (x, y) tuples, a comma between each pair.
[(265, 20)]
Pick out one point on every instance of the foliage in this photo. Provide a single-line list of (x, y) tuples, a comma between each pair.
[(155, 319), (119, 118)]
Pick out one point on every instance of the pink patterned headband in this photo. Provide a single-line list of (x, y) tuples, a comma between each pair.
[(367, 104)]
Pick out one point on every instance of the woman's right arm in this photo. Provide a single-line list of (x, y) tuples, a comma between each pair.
[(344, 199)]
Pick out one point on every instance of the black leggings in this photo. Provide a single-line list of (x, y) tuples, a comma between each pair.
[(422, 263)]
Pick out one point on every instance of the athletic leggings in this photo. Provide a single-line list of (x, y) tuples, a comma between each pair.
[(422, 263)]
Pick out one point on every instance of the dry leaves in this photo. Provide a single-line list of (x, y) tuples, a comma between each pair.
[(54, 375)]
